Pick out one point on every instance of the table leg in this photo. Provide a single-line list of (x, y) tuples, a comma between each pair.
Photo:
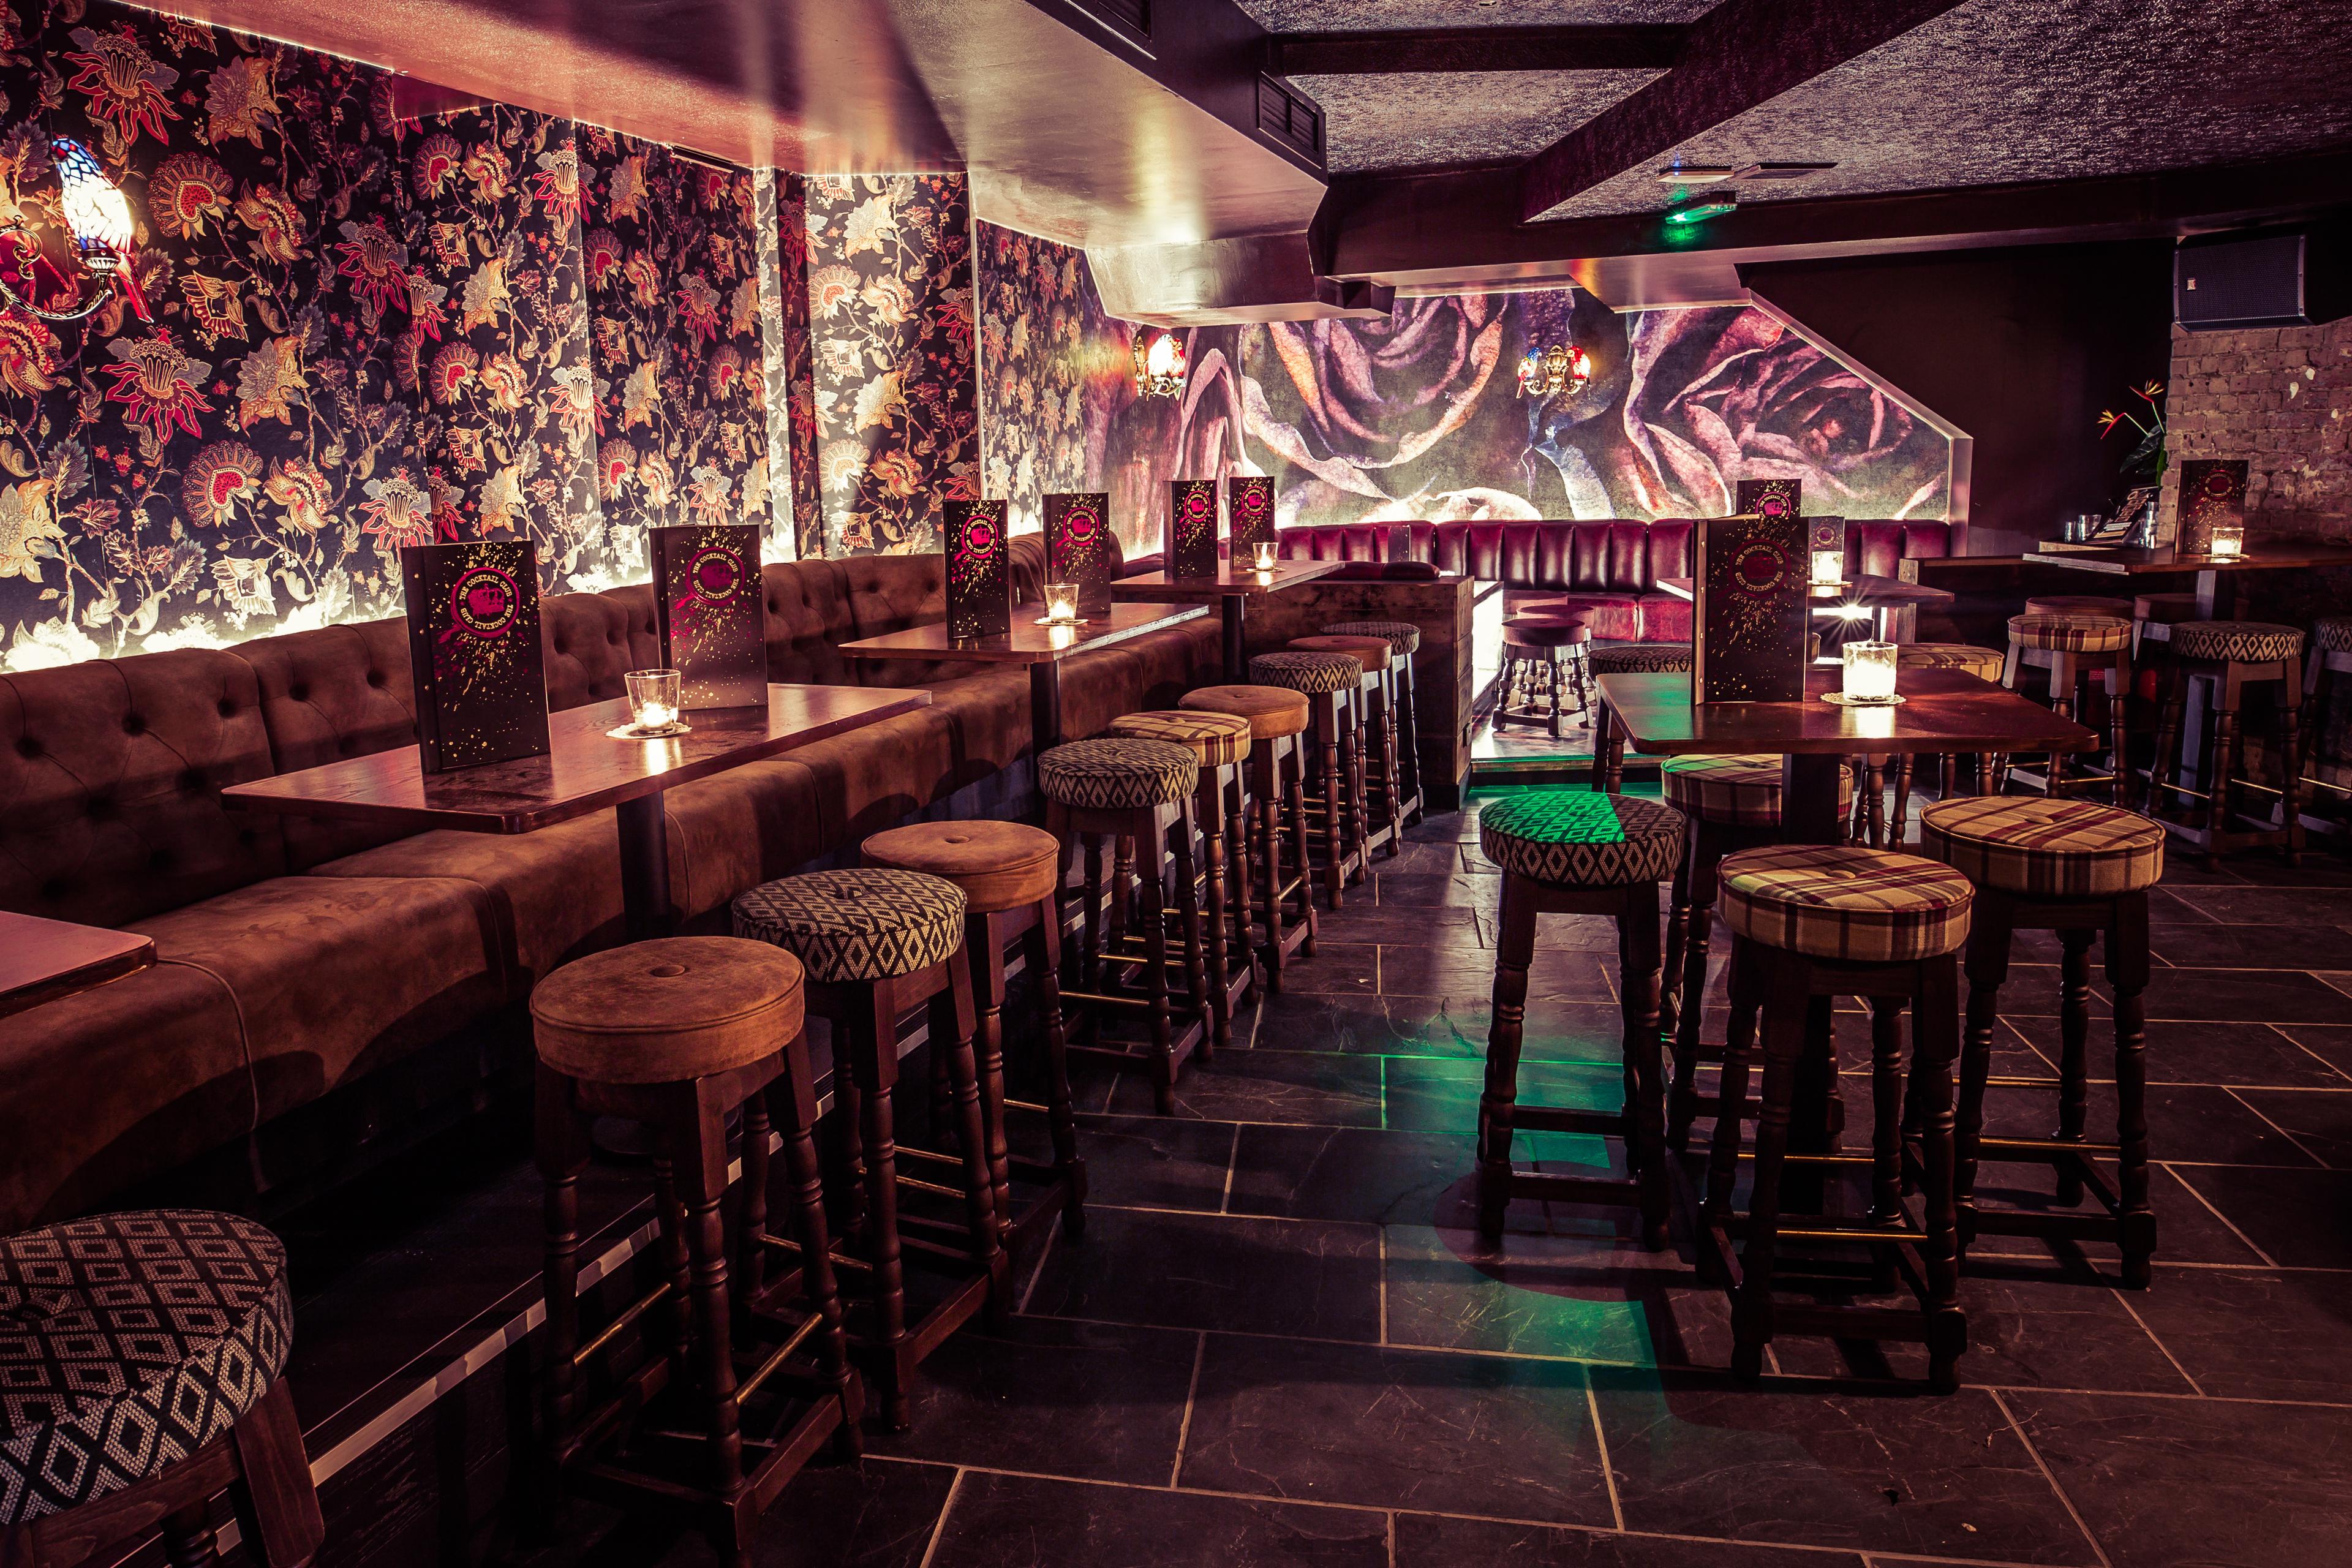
[(1809, 799), (2209, 595), (644, 867), (1236, 666), (1045, 706)]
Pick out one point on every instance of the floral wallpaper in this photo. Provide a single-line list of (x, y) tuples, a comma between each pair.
[(1419, 417), (796, 361), (365, 333), (890, 306)]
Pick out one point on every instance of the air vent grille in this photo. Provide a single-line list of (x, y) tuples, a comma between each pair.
[(1130, 17), (1290, 118)]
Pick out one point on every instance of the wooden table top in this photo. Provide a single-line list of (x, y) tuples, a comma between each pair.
[(585, 770), (2279, 555), (1948, 710), (1028, 643), (42, 960), (1867, 592), (1230, 581)]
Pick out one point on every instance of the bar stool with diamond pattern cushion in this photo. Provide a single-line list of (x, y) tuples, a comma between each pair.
[(1581, 853), (1813, 921), (1624, 659), (1330, 682), (1404, 642), (2073, 648), (2082, 871), (2232, 656), (877, 943), (1275, 783), (1222, 742), (1372, 763), (1732, 802), (2331, 655), (1137, 798), (141, 1356)]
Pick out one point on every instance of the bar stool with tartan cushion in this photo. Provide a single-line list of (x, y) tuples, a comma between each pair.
[(1007, 871), (2331, 655), (1141, 793), (1575, 852), (2232, 656), (677, 1033), (141, 1357), (1277, 788), (2082, 870), (1810, 923), (2071, 648), (1543, 654), (1624, 659), (1222, 742), (877, 943), (1330, 682), (1374, 769), (1404, 641), (1731, 803), (1985, 663)]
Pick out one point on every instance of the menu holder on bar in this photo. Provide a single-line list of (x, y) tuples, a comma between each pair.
[(712, 626), (1770, 498), (1077, 533), (2213, 491), (473, 652), (1191, 528), (1249, 501), (979, 576), (1751, 612)]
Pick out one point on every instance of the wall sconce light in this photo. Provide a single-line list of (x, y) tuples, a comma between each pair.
[(1559, 371), (1160, 363), (98, 215)]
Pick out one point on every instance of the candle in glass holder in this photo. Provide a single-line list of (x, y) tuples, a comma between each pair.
[(2229, 541), (1062, 601), (1828, 567), (1869, 672), (653, 697), (1265, 562)]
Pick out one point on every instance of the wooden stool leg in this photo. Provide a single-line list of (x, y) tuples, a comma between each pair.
[(1205, 1004), (872, 1047), (1988, 966), (1295, 794), (953, 1021), (1705, 856), (1637, 970), (188, 1538), (1887, 1110), (1044, 950), (1409, 734), (983, 943), (1265, 781), (670, 1251), (562, 1154), (1933, 1015), (2222, 768), (697, 1132), (2291, 759), (1899, 827), (2120, 684), (1390, 784), (1731, 1088), (1211, 811), (2074, 1049), (1874, 801), (2164, 769), (1241, 878), (1609, 756), (1785, 1008), (750, 1256), (1123, 879), (1670, 991), (1353, 739), (795, 1090), (277, 1507), (1155, 989), (1515, 943), (1328, 722), (1090, 944), (2126, 962)]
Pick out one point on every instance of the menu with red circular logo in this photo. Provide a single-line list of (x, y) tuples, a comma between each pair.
[(473, 652), (2212, 489), (1191, 528), (1249, 498), (980, 573), (1077, 546), (1753, 604), (712, 628)]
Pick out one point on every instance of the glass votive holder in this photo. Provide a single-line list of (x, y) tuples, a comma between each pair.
[(1869, 672), (1828, 567), (2228, 542), (653, 697), (1262, 556), (1062, 603)]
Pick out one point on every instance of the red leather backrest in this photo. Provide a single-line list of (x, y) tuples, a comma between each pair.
[(807, 613), (584, 639), (1670, 541), (638, 607)]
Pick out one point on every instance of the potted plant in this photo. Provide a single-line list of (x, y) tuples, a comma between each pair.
[(2143, 466)]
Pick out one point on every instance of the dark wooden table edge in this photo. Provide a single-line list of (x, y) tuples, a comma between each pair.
[(1186, 610), (1298, 573), (24, 998), (2082, 740)]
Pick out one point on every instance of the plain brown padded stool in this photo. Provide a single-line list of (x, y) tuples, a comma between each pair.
[(1221, 743), (2232, 656), (1137, 792), (1553, 645), (1009, 872), (677, 1034), (1810, 922), (1330, 682), (2072, 648), (1378, 805), (1404, 641), (140, 1363), (2083, 871), (1277, 789), (1575, 852), (1624, 659), (877, 944)]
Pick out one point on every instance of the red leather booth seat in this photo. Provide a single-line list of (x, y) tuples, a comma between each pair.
[(298, 956)]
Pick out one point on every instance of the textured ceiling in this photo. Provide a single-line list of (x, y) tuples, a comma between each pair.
[(1462, 117), (1371, 16)]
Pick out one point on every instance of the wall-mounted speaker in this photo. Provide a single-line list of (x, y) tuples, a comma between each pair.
[(2262, 277)]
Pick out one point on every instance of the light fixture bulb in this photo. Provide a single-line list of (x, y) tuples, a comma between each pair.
[(1160, 364), (1700, 211), (96, 210)]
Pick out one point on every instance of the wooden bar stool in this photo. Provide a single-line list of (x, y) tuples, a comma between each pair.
[(1009, 873), (1810, 923), (2083, 871), (2232, 656), (1730, 802), (1142, 792), (141, 1363), (2331, 655), (1277, 788), (1330, 682), (1543, 654), (1222, 742), (2072, 648), (877, 944), (1378, 802), (1624, 659), (1404, 641), (1985, 663), (677, 1034), (1575, 852)]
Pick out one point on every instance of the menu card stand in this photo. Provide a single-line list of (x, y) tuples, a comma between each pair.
[(712, 626), (1191, 528), (978, 570), (1078, 528), (1752, 609), (473, 652)]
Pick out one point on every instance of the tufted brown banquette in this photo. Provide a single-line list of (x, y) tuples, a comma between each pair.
[(298, 956)]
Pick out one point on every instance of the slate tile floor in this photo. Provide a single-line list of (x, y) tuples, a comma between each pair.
[(1281, 1342)]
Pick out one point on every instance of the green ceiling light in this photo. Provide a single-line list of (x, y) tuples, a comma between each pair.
[(1697, 212)]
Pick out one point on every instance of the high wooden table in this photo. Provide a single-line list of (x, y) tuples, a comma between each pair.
[(1233, 586), (2216, 575), (584, 769), (1864, 592), (1042, 648), (42, 960)]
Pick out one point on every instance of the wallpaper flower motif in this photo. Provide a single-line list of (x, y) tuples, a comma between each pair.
[(797, 359)]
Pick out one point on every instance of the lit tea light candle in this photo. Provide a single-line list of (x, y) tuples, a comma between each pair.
[(653, 697), (1869, 672), (1062, 601), (2229, 541), (1828, 567), (1265, 556)]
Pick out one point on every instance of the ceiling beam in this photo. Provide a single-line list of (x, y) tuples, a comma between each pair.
[(1562, 49), (1741, 54)]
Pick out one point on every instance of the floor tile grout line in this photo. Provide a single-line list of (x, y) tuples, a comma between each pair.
[(2282, 1131), (1381, 1284), (1233, 1160), (1601, 1441), (2039, 1464), (2306, 1050), (940, 1525), (2123, 1301), (1044, 1250), (1391, 1538), (2217, 1214), (1191, 1392)]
